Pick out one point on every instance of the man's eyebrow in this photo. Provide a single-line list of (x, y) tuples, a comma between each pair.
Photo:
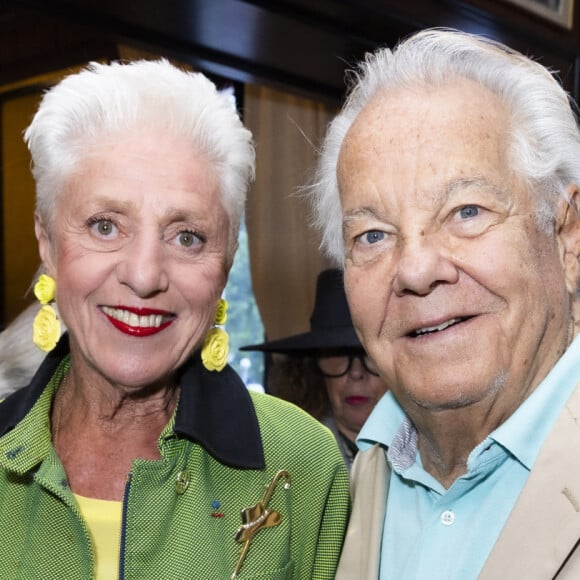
[(454, 187), (459, 185), (364, 211), (359, 212)]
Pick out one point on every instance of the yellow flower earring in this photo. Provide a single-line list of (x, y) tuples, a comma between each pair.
[(46, 327), (214, 354)]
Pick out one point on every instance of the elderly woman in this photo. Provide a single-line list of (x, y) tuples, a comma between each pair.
[(326, 371), (136, 452)]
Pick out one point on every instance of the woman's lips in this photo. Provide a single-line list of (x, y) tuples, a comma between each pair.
[(356, 400), (139, 322)]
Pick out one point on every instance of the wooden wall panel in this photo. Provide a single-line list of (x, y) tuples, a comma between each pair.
[(20, 255), (298, 46)]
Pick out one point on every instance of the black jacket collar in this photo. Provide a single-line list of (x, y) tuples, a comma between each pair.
[(215, 410)]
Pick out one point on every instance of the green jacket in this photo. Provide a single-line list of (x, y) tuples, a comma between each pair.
[(181, 514)]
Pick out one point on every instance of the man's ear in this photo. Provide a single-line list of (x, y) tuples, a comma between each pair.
[(45, 248), (568, 234)]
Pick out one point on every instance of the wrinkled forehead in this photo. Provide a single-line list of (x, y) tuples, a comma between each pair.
[(422, 137), (425, 111)]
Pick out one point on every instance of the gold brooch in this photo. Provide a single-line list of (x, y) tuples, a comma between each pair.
[(258, 516)]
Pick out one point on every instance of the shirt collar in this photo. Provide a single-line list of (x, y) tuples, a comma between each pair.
[(382, 424), (215, 409), (522, 434), (526, 430), (15, 407)]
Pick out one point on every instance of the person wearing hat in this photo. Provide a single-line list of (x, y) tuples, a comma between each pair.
[(326, 371)]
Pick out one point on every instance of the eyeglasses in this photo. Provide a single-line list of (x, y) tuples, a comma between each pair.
[(334, 366)]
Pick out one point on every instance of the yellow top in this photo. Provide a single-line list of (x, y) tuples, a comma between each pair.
[(103, 518)]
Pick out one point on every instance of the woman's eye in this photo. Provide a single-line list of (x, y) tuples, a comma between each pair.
[(104, 227), (469, 211), (187, 239)]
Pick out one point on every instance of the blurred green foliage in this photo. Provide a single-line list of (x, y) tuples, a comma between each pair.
[(244, 324)]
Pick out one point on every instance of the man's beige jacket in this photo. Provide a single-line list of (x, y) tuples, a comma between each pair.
[(540, 540)]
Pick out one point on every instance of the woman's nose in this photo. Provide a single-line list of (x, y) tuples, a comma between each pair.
[(423, 264), (356, 369), (143, 267)]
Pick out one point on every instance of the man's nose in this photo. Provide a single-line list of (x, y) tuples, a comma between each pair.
[(423, 263)]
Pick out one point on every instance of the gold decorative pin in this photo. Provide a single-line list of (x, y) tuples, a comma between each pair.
[(258, 516)]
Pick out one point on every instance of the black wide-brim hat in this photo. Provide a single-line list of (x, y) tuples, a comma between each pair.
[(330, 324)]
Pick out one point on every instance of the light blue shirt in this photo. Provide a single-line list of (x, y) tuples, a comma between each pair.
[(431, 533)]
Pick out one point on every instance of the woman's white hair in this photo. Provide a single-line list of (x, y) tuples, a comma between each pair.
[(105, 99), (545, 146)]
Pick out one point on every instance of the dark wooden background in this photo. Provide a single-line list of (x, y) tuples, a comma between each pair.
[(298, 45)]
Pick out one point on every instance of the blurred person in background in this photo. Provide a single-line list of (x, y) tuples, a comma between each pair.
[(325, 371), (19, 356)]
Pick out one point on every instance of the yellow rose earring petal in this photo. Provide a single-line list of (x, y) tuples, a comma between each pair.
[(214, 354), (46, 326)]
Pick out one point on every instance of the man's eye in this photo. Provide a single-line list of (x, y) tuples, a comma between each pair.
[(469, 211), (372, 237)]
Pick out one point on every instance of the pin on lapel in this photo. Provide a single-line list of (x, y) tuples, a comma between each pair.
[(258, 516), (216, 513)]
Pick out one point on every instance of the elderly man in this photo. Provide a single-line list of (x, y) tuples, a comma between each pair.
[(448, 186)]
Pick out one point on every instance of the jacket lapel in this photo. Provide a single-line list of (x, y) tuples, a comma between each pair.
[(362, 548), (544, 525)]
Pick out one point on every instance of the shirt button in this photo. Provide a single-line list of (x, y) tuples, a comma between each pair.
[(182, 482), (447, 518)]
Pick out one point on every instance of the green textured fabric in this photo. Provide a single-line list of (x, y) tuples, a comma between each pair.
[(173, 527)]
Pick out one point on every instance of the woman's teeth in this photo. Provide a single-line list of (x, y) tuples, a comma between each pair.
[(132, 319)]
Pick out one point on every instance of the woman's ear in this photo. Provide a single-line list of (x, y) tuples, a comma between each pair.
[(45, 248), (568, 234)]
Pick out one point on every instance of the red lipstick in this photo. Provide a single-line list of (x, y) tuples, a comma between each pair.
[(139, 331), (357, 400)]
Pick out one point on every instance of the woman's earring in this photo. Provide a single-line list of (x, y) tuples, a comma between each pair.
[(46, 327), (214, 354)]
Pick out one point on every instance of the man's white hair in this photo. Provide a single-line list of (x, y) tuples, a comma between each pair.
[(545, 138)]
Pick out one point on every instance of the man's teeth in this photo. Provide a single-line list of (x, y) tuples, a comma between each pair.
[(132, 319), (441, 326)]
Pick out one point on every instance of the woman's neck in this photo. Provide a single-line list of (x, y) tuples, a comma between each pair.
[(98, 433)]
